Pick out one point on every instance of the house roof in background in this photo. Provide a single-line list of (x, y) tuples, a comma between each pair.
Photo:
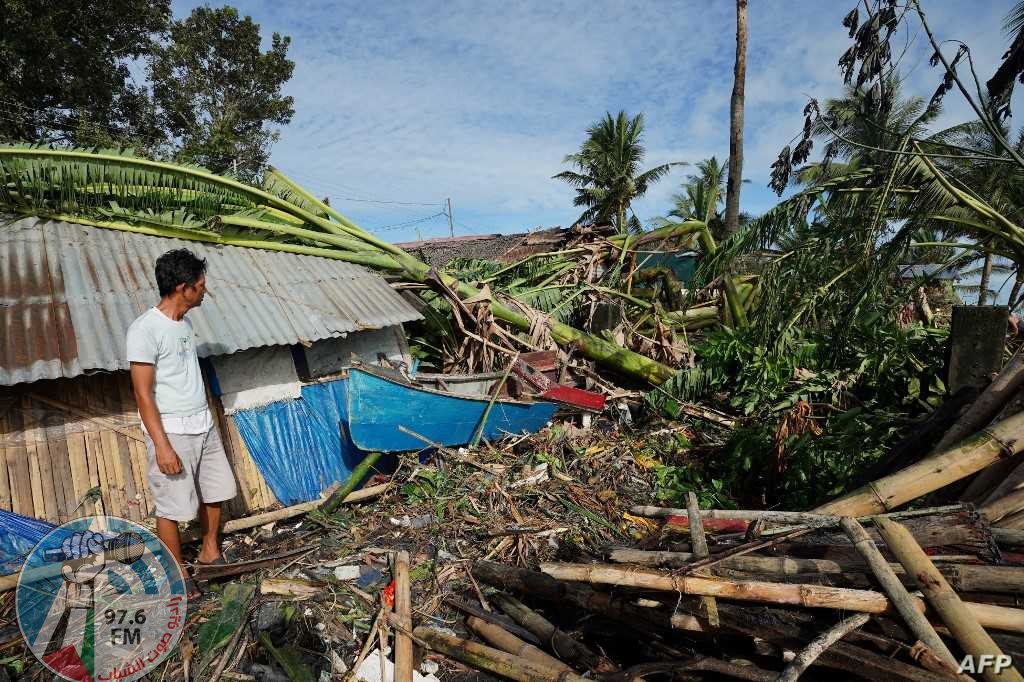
[(507, 248), (68, 293)]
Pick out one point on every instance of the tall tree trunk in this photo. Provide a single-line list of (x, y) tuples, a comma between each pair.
[(732, 190), (986, 273)]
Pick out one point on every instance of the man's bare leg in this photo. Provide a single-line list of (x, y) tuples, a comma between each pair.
[(167, 531), (209, 523)]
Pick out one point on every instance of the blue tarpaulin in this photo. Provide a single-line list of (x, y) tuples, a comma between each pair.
[(298, 444), (18, 535)]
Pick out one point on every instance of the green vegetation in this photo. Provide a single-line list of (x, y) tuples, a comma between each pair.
[(211, 95)]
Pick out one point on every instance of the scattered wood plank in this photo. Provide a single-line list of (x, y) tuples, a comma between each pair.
[(403, 613)]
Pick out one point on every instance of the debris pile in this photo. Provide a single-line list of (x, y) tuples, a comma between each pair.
[(541, 557)]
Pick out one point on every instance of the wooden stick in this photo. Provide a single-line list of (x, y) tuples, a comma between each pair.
[(506, 641), (817, 646), (247, 522), (905, 604), (501, 620), (564, 646), (963, 577), (811, 596), (370, 636), (962, 623), (1004, 506), (479, 432), (700, 550), (788, 517), (403, 611), (933, 472), (492, 660)]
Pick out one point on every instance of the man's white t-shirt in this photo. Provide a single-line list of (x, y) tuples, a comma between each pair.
[(170, 346)]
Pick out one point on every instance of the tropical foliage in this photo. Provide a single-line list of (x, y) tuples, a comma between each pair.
[(211, 95), (607, 175)]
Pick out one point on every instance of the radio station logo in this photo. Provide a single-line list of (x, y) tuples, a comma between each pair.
[(101, 598)]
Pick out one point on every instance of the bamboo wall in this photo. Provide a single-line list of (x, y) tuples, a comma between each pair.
[(59, 439)]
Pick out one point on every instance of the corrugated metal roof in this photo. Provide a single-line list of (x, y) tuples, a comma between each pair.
[(68, 293)]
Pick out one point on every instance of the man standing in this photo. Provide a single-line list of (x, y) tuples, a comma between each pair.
[(188, 469)]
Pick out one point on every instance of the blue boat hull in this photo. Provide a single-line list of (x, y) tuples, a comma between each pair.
[(303, 446), (378, 405)]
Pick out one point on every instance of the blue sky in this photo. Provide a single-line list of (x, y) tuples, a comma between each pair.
[(480, 101)]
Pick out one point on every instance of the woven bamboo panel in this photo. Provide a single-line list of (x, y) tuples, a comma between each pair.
[(60, 439)]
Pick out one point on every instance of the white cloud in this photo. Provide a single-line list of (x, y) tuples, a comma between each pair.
[(481, 100)]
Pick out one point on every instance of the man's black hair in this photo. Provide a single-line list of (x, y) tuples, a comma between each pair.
[(179, 266)]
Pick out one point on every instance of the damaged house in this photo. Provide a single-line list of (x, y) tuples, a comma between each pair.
[(273, 323)]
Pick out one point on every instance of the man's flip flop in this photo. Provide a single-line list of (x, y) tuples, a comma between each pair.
[(219, 561)]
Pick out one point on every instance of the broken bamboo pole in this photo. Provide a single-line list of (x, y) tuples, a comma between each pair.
[(810, 596), (1003, 507), (987, 405), (354, 479), (787, 517), (403, 612), (819, 645), (933, 472), (506, 641), (256, 520), (767, 623), (492, 660), (700, 549), (963, 624), (905, 604), (564, 646)]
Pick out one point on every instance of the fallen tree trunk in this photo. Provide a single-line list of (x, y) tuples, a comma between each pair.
[(933, 472)]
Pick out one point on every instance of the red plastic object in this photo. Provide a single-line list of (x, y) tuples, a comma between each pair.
[(682, 523), (387, 595)]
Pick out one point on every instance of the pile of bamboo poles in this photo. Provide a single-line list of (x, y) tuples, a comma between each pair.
[(855, 585), (908, 596)]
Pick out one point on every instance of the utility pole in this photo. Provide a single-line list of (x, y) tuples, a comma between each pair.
[(451, 225)]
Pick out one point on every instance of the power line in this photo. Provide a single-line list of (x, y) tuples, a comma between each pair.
[(415, 221), (331, 189), (467, 227)]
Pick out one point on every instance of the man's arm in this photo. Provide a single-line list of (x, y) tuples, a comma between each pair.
[(143, 378)]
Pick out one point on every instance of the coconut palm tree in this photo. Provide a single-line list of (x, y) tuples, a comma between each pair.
[(703, 198), (607, 174)]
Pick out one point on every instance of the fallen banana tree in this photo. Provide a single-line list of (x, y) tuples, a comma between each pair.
[(113, 190)]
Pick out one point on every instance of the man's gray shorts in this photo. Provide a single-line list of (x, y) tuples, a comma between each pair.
[(205, 475)]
